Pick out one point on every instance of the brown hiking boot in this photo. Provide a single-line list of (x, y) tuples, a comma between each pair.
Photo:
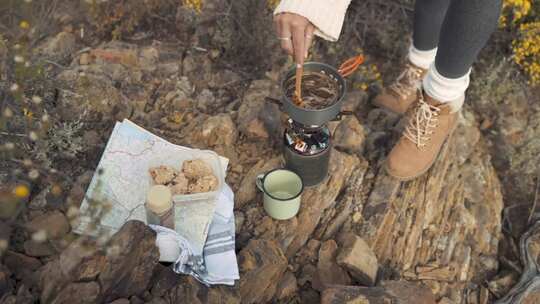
[(401, 94), (429, 125)]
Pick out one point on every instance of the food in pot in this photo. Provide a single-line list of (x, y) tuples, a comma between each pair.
[(319, 90)]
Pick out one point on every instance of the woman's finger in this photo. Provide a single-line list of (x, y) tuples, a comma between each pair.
[(285, 37), (277, 26), (308, 38), (298, 36)]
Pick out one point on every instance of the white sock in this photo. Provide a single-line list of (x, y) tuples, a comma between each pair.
[(422, 59), (446, 90)]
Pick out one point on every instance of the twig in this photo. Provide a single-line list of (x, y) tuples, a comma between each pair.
[(535, 201), (13, 134), (56, 64), (83, 50)]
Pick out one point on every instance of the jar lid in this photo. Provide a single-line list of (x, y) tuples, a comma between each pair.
[(159, 199)]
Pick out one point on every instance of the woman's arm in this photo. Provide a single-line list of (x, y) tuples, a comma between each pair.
[(326, 15), (297, 20)]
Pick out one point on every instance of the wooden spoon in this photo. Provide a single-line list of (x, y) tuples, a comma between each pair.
[(298, 85)]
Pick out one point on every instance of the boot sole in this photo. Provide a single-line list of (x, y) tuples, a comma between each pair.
[(409, 178)]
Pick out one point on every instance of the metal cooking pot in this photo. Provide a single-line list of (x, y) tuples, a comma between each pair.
[(314, 117)]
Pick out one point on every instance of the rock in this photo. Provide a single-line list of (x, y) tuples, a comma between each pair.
[(40, 200), (191, 291), (513, 218), (255, 129), (429, 229), (248, 190), (58, 47), (527, 288), (81, 261), (293, 234), (168, 69), (84, 292), (533, 297), (6, 285), (206, 101), (333, 219), (353, 100), (54, 224), (21, 265), (120, 301), (5, 236), (148, 59), (309, 296), (24, 296), (356, 256), (136, 300), (219, 130), (287, 287), (122, 270), (446, 300), (164, 282), (307, 274), (349, 135), (262, 263), (157, 301), (38, 249), (239, 219), (92, 138), (223, 78), (328, 271), (78, 190), (84, 59), (256, 120), (130, 261), (501, 284), (398, 292), (311, 250)]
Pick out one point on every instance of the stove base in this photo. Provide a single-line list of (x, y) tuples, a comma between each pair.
[(313, 169)]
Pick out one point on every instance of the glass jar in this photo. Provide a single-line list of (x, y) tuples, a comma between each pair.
[(159, 207)]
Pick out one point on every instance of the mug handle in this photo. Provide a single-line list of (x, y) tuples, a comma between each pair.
[(259, 181)]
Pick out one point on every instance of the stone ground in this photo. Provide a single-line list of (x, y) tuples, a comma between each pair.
[(360, 236)]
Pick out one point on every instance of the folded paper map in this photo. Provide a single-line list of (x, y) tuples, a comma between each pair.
[(118, 189)]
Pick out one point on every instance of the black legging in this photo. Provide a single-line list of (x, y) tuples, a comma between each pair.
[(459, 28)]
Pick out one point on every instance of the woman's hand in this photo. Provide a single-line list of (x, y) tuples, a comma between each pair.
[(295, 33)]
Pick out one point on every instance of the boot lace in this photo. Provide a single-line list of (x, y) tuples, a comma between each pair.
[(422, 122), (407, 81)]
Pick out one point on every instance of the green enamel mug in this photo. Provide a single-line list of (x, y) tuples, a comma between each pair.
[(282, 190)]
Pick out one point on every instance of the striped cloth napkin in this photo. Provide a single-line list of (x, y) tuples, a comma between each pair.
[(218, 264)]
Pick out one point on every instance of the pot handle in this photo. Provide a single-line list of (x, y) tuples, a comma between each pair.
[(274, 101), (350, 65), (259, 180), (343, 113)]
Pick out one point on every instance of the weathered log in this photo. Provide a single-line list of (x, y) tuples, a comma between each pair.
[(443, 227)]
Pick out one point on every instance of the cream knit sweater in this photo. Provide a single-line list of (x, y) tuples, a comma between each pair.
[(326, 15)]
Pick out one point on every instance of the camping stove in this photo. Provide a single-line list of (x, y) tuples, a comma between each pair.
[(307, 151), (307, 140)]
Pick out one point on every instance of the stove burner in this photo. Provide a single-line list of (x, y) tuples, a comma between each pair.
[(304, 128), (306, 140)]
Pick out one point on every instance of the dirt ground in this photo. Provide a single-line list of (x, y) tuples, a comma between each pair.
[(199, 79)]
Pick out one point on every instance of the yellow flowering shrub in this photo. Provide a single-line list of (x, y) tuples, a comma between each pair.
[(527, 50), (272, 3), (117, 18), (522, 19), (196, 5), (514, 10)]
